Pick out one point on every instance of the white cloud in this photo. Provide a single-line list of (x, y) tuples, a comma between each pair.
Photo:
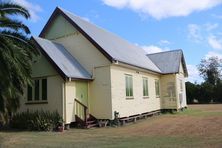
[(34, 9), (213, 54), (210, 26), (214, 42), (194, 32), (193, 74), (116, 3), (152, 49), (162, 42), (160, 9)]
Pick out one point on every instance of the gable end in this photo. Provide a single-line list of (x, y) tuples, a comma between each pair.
[(60, 12)]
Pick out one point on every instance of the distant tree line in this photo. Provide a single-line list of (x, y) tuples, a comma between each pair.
[(210, 90)]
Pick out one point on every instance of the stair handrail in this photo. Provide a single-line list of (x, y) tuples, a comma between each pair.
[(85, 108)]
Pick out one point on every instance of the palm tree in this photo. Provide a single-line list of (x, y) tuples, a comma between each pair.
[(16, 54)]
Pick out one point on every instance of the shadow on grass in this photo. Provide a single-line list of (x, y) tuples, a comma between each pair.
[(7, 129)]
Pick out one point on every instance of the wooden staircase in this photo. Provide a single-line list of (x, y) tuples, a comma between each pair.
[(91, 122), (83, 118)]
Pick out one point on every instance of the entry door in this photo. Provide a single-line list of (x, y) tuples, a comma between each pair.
[(82, 92)]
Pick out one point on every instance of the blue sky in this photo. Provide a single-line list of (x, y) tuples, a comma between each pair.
[(155, 25)]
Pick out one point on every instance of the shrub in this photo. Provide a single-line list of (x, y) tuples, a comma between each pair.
[(36, 121)]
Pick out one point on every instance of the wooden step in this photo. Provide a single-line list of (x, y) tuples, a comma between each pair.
[(92, 125), (90, 122)]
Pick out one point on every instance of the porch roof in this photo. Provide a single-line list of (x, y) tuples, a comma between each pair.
[(67, 65)]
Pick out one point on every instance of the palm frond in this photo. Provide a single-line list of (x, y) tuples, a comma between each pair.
[(13, 9), (13, 25), (16, 53)]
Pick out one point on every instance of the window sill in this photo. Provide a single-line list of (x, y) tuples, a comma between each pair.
[(36, 102), (129, 98), (146, 97)]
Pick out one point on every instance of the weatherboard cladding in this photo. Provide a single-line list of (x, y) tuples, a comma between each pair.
[(168, 62), (63, 59), (117, 48)]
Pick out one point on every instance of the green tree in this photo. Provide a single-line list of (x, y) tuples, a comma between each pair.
[(191, 91), (206, 93), (210, 69), (218, 92), (16, 54)]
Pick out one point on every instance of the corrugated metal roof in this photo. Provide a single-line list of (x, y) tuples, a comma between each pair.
[(118, 48), (63, 59), (169, 61)]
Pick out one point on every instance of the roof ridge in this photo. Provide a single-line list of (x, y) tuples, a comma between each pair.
[(174, 50), (67, 11)]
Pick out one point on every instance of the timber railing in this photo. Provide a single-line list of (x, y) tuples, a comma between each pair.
[(81, 110)]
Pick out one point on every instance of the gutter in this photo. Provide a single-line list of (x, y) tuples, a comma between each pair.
[(151, 71)]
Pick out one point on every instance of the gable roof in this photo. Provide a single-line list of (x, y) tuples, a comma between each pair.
[(67, 65), (109, 44), (169, 61)]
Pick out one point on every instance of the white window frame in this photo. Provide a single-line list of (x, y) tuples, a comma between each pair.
[(129, 86), (40, 99), (145, 87)]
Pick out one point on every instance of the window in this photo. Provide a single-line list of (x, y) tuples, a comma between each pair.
[(181, 85), (145, 87), (44, 89), (129, 86), (29, 93), (157, 88), (36, 89), (37, 92), (171, 90)]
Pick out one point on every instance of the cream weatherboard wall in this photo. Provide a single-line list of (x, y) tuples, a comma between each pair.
[(173, 90), (181, 88), (43, 69), (138, 104), (59, 28), (100, 93), (168, 91)]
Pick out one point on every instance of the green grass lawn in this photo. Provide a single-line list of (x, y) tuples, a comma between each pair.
[(199, 126)]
